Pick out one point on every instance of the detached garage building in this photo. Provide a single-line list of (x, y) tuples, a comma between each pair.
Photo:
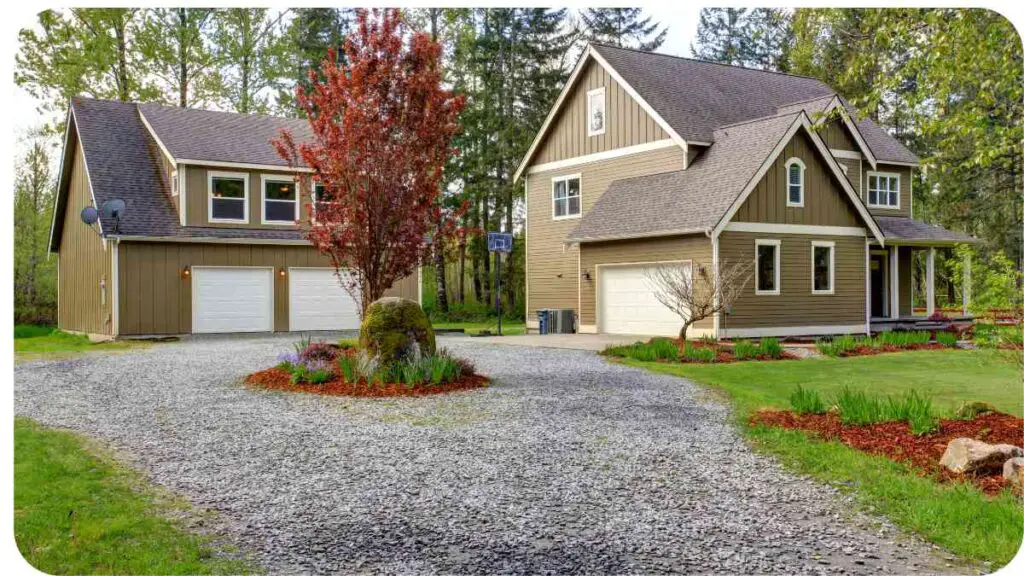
[(209, 239)]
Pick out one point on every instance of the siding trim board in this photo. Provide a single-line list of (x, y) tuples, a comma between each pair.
[(244, 165), (159, 143), (795, 229), (598, 156), (780, 331), (837, 105)]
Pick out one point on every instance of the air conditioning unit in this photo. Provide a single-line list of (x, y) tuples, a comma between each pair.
[(561, 321)]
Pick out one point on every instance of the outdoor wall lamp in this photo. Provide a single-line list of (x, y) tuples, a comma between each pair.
[(186, 272), (282, 272), (586, 275)]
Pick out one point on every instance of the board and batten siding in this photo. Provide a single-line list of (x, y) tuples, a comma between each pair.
[(854, 172), (796, 305), (696, 248), (197, 202), (626, 122), (552, 279), (85, 291), (156, 296), (825, 202), (837, 136), (905, 189)]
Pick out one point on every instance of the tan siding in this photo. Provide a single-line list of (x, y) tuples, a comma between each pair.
[(905, 189), (837, 136), (795, 305), (626, 123), (853, 173), (197, 204), (156, 298), (825, 203), (694, 248), (552, 279), (84, 263)]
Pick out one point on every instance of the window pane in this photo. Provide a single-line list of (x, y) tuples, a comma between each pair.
[(279, 210), (596, 112), (794, 173), (228, 188), (560, 189), (872, 196), (228, 209), (574, 187), (560, 204), (822, 262), (893, 198), (574, 205), (794, 194), (873, 183), (766, 268), (280, 190)]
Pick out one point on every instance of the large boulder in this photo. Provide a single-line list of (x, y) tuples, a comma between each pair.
[(966, 455), (396, 329), (1013, 470)]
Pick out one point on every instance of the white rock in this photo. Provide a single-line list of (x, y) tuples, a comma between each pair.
[(964, 455)]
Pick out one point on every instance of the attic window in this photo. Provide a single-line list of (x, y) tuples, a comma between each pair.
[(228, 197), (595, 112), (795, 183)]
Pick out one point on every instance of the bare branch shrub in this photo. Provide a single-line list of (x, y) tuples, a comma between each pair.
[(698, 293)]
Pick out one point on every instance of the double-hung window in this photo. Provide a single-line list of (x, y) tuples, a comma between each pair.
[(767, 260), (823, 267), (280, 200), (795, 182), (228, 197), (883, 190), (565, 197)]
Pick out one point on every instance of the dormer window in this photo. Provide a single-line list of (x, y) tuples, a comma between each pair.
[(795, 183), (595, 112), (228, 197), (280, 200)]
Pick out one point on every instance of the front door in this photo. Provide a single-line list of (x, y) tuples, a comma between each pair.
[(878, 285)]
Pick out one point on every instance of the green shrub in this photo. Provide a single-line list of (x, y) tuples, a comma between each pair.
[(992, 336), (805, 401), (769, 347), (396, 329), (859, 409), (347, 367), (312, 372), (693, 353), (650, 351), (901, 339), (837, 346), (744, 350), (912, 408), (947, 339), (348, 343), (32, 331), (664, 348)]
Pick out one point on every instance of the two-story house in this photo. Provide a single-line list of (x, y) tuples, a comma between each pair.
[(211, 237), (647, 159)]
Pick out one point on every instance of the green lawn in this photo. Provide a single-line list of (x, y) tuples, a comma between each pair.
[(958, 517), (42, 343), (77, 512), (508, 327)]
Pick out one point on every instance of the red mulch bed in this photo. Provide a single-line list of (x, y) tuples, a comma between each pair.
[(872, 350), (723, 354), (894, 440), (277, 379)]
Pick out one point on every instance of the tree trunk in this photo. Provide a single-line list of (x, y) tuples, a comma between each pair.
[(122, 62), (683, 330), (461, 295), (441, 301), (485, 217), (182, 58)]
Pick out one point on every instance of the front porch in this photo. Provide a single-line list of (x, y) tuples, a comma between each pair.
[(904, 288)]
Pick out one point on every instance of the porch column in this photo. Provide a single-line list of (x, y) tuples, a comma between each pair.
[(931, 281), (894, 282), (966, 280)]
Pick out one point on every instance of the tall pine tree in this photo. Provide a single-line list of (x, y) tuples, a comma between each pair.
[(622, 27), (253, 50), (311, 33), (174, 44), (721, 36)]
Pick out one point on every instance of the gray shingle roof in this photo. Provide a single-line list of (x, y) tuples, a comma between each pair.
[(696, 97), (897, 229), (122, 163), (194, 134), (686, 201)]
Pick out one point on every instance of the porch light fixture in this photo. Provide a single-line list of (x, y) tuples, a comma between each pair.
[(186, 272), (282, 272), (586, 275)]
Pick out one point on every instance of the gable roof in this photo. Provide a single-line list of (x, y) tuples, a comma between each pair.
[(121, 162), (191, 135), (711, 189), (691, 99)]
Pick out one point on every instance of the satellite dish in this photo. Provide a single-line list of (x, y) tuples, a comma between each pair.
[(113, 208), (89, 215)]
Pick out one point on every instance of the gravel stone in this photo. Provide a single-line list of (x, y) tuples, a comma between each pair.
[(565, 464)]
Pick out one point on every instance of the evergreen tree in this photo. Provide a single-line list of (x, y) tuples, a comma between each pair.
[(174, 44), (312, 32), (769, 35), (622, 27), (253, 50), (35, 282), (722, 36)]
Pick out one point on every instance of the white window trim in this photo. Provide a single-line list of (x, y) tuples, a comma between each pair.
[(174, 182), (210, 175), (564, 179), (803, 179), (778, 266), (831, 266), (604, 104), (899, 190), (264, 178)]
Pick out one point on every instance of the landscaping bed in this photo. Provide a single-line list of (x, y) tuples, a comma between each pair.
[(703, 351), (280, 379), (885, 342), (896, 441)]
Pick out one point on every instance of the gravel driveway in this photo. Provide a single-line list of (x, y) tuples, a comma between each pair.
[(564, 464)]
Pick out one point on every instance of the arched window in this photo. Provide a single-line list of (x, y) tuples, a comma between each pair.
[(795, 182)]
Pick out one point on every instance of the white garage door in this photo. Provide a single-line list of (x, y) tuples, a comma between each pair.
[(628, 305), (232, 299), (317, 301)]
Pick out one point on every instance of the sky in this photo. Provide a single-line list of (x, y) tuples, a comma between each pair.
[(680, 20)]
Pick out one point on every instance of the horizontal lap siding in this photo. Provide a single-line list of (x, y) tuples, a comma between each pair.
[(626, 123), (825, 202), (552, 267), (796, 306), (155, 297), (84, 263), (695, 248)]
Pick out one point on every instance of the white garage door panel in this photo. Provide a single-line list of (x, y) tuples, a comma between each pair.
[(232, 300), (629, 306), (317, 301)]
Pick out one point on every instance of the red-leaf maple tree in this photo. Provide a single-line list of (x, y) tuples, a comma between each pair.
[(382, 127)]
